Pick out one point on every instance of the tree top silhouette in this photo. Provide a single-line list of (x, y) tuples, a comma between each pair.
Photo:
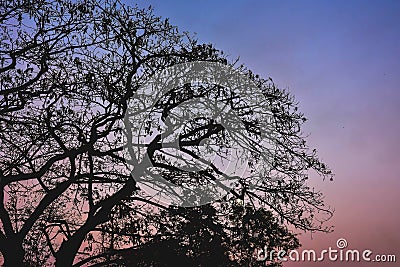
[(71, 72)]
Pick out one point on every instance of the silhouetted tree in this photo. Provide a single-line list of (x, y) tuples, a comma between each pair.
[(229, 235), (67, 72)]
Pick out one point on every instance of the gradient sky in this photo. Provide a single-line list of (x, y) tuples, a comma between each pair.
[(341, 59)]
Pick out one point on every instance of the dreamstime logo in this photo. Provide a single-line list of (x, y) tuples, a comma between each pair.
[(341, 243), (340, 254), (157, 122)]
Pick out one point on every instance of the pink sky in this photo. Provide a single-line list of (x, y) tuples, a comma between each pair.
[(341, 61)]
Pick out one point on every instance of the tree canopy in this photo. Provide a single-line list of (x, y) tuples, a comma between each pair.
[(69, 73)]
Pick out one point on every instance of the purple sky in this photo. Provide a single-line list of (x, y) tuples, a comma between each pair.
[(341, 59)]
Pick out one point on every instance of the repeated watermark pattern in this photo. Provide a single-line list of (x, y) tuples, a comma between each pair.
[(145, 122)]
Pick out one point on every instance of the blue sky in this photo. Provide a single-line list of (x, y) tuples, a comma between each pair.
[(341, 61)]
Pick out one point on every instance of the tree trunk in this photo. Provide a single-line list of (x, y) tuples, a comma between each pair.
[(66, 254), (13, 254)]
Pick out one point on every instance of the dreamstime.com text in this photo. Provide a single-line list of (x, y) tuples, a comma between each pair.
[(331, 254)]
